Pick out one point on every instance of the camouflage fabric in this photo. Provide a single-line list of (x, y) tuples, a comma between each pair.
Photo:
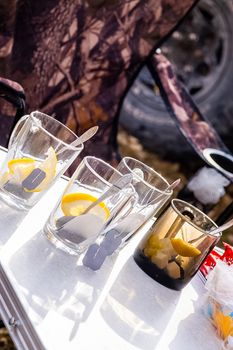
[(12, 107), (196, 129), (192, 124), (77, 59)]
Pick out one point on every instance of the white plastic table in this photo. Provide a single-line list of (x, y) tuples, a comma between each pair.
[(49, 301)]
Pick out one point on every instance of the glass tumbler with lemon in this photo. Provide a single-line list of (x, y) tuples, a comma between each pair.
[(81, 217), (40, 150), (152, 190), (176, 245)]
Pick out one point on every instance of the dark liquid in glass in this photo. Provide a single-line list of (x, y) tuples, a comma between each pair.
[(158, 274)]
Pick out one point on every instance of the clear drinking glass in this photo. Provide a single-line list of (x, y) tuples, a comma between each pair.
[(40, 150), (176, 245), (72, 230), (152, 192)]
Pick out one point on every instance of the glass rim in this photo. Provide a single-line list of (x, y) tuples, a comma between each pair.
[(168, 193), (79, 147), (219, 234), (86, 162)]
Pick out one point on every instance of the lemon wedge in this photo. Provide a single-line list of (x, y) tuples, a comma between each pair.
[(20, 168), (49, 166), (184, 249), (74, 204)]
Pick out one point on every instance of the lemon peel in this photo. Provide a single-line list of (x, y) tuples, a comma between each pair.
[(184, 248), (20, 168), (74, 204)]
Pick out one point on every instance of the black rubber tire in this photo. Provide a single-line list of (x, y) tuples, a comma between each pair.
[(145, 116)]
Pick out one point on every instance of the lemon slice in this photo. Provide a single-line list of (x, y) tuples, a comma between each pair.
[(20, 168), (49, 166), (184, 249), (74, 204)]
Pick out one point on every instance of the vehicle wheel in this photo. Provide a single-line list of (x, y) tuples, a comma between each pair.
[(201, 50)]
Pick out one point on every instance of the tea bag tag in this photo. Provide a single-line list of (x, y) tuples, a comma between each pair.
[(97, 253), (34, 179), (94, 257), (111, 241)]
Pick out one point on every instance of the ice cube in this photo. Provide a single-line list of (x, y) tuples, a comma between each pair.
[(168, 247), (160, 260), (80, 228), (70, 236), (208, 185), (173, 270), (63, 220)]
